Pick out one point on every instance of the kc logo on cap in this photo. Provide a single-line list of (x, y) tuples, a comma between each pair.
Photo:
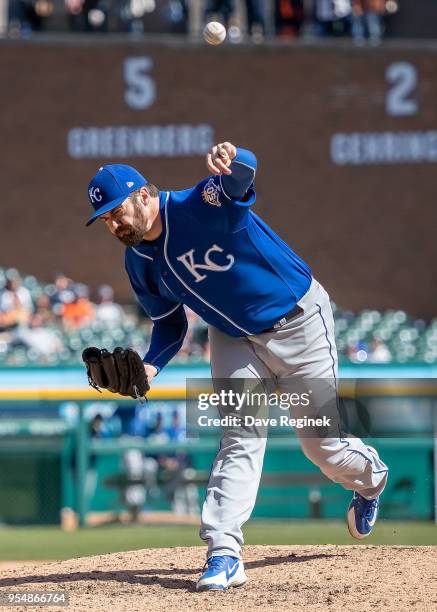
[(95, 195)]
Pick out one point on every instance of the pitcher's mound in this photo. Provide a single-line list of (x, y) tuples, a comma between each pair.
[(365, 578)]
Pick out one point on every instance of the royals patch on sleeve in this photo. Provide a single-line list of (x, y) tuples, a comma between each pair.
[(211, 193)]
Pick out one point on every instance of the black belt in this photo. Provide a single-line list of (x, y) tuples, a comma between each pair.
[(285, 319)]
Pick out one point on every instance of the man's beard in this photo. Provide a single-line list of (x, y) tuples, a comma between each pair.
[(131, 238), (136, 232)]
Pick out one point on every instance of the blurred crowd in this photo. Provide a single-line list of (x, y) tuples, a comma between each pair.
[(362, 19), (52, 323)]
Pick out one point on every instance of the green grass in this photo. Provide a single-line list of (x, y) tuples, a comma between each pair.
[(34, 543)]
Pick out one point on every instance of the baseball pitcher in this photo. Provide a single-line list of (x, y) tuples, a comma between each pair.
[(268, 317)]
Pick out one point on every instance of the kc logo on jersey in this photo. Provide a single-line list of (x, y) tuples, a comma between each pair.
[(95, 195), (188, 260), (211, 193)]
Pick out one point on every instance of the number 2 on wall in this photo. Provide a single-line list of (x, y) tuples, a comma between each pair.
[(402, 76)]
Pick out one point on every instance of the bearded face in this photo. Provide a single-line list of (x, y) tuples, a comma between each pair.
[(137, 217), (131, 233)]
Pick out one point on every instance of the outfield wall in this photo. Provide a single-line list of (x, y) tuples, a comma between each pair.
[(346, 140)]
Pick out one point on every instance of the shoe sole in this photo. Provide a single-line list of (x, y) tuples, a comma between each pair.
[(352, 528), (219, 587)]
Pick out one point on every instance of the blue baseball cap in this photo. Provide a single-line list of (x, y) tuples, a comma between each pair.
[(111, 186)]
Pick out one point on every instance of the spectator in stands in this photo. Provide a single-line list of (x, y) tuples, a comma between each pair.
[(177, 15), (24, 17), (379, 352), (357, 352), (79, 311), (13, 317), (13, 292), (15, 305), (255, 19), (367, 21), (332, 17), (176, 431), (44, 310), (102, 428), (134, 494), (105, 427), (87, 15), (44, 342), (107, 312), (75, 16), (221, 9), (138, 423), (225, 9), (175, 474), (289, 16), (61, 292), (157, 433)]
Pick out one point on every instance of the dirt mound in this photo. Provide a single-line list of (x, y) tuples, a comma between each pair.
[(365, 578)]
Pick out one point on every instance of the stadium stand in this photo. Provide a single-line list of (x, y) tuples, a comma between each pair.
[(52, 323)]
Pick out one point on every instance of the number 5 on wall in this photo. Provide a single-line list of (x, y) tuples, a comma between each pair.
[(140, 92)]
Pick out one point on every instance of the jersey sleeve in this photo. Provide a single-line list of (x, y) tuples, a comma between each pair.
[(154, 305), (223, 202), (169, 319), (167, 338), (238, 188)]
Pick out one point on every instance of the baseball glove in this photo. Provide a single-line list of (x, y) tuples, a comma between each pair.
[(121, 371)]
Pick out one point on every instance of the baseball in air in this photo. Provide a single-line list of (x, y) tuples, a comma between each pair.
[(214, 33)]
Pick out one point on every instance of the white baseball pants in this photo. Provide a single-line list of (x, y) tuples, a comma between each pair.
[(304, 347)]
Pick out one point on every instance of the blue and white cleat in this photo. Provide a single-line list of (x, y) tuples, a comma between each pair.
[(361, 516), (220, 573)]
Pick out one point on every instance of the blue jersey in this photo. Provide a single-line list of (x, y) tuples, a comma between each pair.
[(218, 257)]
